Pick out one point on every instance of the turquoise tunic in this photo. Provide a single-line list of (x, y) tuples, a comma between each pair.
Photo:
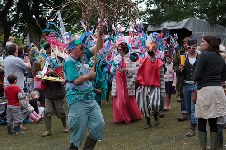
[(101, 81), (73, 69)]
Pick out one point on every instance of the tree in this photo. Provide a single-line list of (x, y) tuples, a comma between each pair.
[(34, 15), (159, 11), (120, 11), (8, 17), (213, 11)]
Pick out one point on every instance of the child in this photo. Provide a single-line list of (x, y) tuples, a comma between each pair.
[(14, 113), (31, 111), (35, 103), (168, 78), (36, 72)]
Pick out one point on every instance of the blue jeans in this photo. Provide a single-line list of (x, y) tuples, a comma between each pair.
[(187, 91), (81, 115), (183, 105)]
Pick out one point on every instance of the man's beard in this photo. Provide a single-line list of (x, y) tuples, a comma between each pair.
[(82, 58)]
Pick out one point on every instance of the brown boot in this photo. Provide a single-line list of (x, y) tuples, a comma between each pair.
[(46, 133), (184, 117), (10, 132), (73, 147), (161, 114), (65, 128), (89, 144), (48, 127), (148, 125), (191, 132), (156, 117)]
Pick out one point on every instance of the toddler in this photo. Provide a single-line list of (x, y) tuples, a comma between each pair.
[(36, 104), (13, 113), (27, 107)]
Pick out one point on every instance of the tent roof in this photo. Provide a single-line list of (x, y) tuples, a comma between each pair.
[(192, 24), (198, 27)]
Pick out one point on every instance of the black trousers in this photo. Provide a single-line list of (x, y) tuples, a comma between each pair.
[(202, 124)]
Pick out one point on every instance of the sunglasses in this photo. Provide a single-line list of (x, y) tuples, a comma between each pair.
[(193, 48), (82, 48)]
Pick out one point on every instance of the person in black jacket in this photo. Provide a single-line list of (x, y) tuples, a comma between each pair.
[(54, 94), (187, 70), (211, 101), (179, 84)]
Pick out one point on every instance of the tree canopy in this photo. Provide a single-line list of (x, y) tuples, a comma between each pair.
[(19, 14), (159, 11)]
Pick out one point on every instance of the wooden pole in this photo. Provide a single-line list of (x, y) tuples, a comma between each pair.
[(99, 36)]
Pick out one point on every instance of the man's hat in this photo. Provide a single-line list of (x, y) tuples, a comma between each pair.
[(192, 42), (72, 44)]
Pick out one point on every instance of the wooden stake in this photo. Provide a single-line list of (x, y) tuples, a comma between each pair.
[(99, 37)]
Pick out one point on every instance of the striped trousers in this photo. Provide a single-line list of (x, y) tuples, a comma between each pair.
[(149, 99)]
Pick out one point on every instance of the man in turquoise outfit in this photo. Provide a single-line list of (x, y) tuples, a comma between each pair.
[(83, 109)]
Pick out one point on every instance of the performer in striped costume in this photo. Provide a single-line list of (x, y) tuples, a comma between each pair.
[(149, 94)]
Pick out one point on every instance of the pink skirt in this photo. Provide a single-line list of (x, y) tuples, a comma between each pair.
[(126, 112)]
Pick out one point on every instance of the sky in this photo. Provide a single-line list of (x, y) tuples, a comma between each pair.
[(142, 6)]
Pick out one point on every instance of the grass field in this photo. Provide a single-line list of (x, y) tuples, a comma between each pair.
[(169, 135)]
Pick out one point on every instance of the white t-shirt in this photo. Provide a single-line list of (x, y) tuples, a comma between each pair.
[(16, 66), (192, 60)]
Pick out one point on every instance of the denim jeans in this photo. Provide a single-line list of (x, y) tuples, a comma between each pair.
[(83, 114), (187, 92), (183, 105)]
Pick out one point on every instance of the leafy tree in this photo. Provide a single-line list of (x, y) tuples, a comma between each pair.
[(34, 15), (213, 11), (8, 17), (120, 11), (159, 11)]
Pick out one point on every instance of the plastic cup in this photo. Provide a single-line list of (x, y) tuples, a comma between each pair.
[(182, 59)]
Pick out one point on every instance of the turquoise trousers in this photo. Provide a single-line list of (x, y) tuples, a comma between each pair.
[(85, 114)]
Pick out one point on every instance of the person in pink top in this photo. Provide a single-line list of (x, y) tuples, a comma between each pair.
[(168, 78)]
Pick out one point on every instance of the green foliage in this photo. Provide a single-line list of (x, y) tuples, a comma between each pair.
[(159, 11), (213, 11), (19, 41), (1, 39)]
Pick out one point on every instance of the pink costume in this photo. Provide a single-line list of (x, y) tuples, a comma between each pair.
[(125, 108)]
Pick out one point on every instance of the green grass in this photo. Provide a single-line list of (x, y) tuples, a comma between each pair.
[(169, 135)]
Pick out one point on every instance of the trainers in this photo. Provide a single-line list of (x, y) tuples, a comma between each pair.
[(46, 133)]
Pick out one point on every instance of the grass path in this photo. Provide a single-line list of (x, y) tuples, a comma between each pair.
[(169, 135)]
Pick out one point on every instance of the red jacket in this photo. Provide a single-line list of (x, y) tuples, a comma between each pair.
[(149, 73)]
